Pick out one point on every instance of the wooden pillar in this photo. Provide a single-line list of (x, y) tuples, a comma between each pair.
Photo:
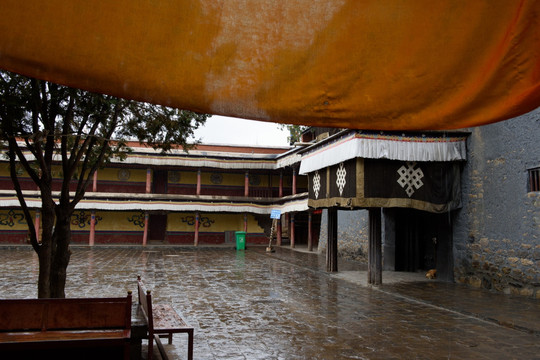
[(196, 240), (246, 184), (37, 224), (309, 233), (294, 181), (278, 233), (148, 181), (92, 238), (281, 183), (145, 234), (374, 251), (291, 231), (269, 187), (199, 182), (94, 182), (331, 246), (245, 223)]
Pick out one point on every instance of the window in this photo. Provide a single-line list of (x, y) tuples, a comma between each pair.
[(534, 179)]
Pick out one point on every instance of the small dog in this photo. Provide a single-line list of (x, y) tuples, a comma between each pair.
[(431, 274)]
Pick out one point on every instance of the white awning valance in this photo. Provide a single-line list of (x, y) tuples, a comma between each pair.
[(384, 146)]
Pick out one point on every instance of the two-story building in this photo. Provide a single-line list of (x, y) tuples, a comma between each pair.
[(198, 197)]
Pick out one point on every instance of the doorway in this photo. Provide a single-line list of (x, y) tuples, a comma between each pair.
[(423, 241), (301, 228), (157, 227), (160, 182)]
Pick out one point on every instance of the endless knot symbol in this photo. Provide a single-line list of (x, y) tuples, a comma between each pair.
[(340, 181), (316, 184), (410, 178)]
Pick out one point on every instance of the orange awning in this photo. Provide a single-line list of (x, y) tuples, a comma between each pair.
[(367, 64)]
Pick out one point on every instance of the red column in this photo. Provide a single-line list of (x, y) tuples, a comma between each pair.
[(94, 182), (148, 181), (245, 223), (309, 234), (246, 184), (278, 233), (294, 181), (37, 224), (281, 184), (145, 234), (196, 241), (291, 230), (92, 228), (199, 182)]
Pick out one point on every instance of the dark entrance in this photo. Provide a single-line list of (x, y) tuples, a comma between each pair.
[(159, 184), (423, 241), (301, 228), (157, 227)]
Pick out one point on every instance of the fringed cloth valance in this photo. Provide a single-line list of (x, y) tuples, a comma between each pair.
[(145, 203), (361, 170), (432, 147)]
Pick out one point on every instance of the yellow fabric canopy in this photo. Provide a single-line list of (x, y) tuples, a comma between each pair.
[(370, 64)]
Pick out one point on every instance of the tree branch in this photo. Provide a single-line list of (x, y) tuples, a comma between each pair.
[(16, 184)]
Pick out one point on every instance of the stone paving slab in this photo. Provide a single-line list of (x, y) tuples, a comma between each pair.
[(256, 305), (516, 312)]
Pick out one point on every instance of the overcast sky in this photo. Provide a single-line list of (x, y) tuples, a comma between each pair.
[(227, 130)]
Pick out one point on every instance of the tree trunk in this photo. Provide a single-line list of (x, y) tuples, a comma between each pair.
[(54, 253), (45, 248), (44, 256), (60, 255)]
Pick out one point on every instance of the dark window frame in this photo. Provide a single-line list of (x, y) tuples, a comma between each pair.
[(533, 179)]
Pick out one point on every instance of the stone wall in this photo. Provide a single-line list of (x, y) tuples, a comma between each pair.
[(497, 232), (353, 234)]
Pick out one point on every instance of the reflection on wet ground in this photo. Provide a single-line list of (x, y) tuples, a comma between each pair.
[(283, 305)]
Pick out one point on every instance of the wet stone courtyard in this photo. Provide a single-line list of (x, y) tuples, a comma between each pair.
[(284, 305)]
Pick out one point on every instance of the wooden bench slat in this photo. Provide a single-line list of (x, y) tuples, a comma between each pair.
[(167, 319), (29, 315), (162, 319), (60, 336), (65, 323), (96, 315)]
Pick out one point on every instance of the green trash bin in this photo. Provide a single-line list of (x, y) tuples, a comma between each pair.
[(240, 240)]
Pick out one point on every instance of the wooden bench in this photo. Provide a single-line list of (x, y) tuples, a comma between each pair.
[(54, 324), (163, 321)]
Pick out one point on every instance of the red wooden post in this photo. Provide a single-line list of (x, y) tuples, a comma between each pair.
[(92, 228), (294, 181), (94, 182), (196, 241), (246, 184), (199, 182), (245, 223), (148, 181), (37, 224), (281, 184), (291, 230), (145, 234)]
